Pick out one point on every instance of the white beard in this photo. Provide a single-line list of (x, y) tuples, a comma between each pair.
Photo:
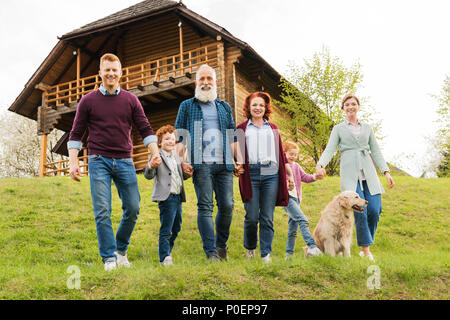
[(206, 95)]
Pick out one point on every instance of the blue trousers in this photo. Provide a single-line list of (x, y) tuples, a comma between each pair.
[(170, 216), (366, 223), (260, 209), (209, 179), (102, 171), (297, 219)]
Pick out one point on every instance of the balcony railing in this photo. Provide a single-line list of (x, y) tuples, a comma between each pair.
[(139, 155), (143, 74)]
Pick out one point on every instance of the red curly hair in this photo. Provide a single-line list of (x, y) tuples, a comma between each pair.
[(265, 96), (163, 130)]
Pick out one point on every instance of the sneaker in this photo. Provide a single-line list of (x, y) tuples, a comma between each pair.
[(288, 256), (110, 265), (214, 257), (122, 260), (222, 253), (370, 256), (167, 261), (267, 258), (250, 254), (314, 252)]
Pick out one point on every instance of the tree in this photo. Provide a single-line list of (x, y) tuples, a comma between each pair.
[(20, 146), (311, 98), (438, 152)]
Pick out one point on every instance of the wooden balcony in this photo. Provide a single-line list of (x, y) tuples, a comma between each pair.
[(139, 155), (139, 76)]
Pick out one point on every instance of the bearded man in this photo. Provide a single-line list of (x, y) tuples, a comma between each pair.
[(214, 155)]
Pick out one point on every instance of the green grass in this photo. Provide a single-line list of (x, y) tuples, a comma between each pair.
[(47, 225)]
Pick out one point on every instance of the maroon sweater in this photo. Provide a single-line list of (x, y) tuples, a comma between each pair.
[(245, 183), (108, 119)]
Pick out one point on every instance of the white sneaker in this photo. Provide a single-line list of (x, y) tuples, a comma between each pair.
[(110, 265), (122, 261), (267, 259), (314, 252), (250, 254), (167, 261), (370, 256)]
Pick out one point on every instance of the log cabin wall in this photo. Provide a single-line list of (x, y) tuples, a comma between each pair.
[(159, 38)]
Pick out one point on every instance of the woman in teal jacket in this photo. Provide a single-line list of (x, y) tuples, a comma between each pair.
[(358, 145)]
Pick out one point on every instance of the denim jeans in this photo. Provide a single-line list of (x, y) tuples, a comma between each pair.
[(170, 217), (296, 219), (366, 223), (101, 171), (260, 209), (207, 179)]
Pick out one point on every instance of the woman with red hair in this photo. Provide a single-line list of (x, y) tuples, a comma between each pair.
[(263, 184)]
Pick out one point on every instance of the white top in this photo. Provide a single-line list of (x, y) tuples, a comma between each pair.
[(260, 143), (176, 183)]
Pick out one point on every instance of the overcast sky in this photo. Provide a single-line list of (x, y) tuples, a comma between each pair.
[(403, 48)]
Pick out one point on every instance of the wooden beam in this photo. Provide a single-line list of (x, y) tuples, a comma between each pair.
[(180, 25), (162, 87), (43, 157), (78, 72), (96, 55), (42, 86), (72, 61)]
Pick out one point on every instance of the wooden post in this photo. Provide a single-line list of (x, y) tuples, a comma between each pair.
[(43, 158), (180, 26), (220, 71), (78, 72)]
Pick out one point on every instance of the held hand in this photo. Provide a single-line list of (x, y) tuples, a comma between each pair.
[(291, 184), (389, 180), (155, 162), (187, 169), (238, 169), (320, 172), (319, 176), (74, 172)]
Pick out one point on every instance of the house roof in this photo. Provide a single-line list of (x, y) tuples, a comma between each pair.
[(27, 102), (136, 11)]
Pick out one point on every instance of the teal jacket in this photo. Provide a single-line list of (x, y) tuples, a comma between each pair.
[(356, 155)]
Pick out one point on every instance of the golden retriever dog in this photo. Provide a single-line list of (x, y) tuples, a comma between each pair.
[(333, 233)]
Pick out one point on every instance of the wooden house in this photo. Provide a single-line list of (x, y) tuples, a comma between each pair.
[(161, 43)]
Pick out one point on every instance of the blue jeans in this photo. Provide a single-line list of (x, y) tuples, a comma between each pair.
[(101, 171), (260, 209), (170, 217), (366, 223), (296, 219), (207, 179)]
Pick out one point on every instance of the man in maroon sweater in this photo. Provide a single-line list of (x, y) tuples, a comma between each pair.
[(108, 114)]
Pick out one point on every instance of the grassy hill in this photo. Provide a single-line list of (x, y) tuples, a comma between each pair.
[(47, 225)]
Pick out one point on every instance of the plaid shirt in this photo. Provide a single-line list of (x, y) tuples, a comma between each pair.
[(190, 118)]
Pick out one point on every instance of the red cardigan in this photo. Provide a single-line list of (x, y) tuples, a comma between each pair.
[(245, 184)]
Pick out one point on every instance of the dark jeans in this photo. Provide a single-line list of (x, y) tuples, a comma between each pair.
[(170, 217), (207, 179), (260, 209)]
